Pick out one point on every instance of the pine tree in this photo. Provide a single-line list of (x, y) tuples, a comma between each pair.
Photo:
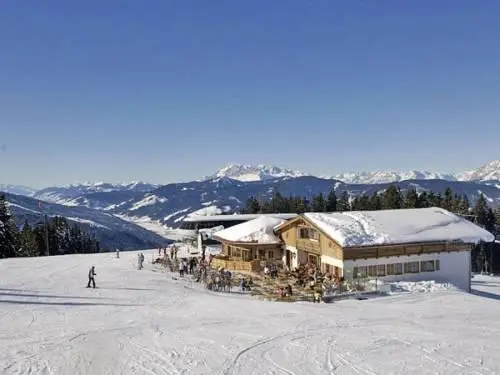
[(411, 199), (8, 231), (392, 198), (28, 243), (423, 200), (465, 206), (447, 203), (343, 203), (481, 210), (376, 202), (319, 203), (490, 221), (331, 201), (252, 206)]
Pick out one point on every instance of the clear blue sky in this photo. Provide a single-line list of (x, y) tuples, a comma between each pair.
[(168, 91)]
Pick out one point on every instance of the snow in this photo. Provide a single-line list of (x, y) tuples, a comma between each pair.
[(86, 221), (144, 322), (206, 211), (186, 250), (169, 216), (147, 223), (149, 200), (248, 173), (258, 230), (368, 228)]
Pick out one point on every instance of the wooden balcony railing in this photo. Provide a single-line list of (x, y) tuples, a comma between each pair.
[(310, 246)]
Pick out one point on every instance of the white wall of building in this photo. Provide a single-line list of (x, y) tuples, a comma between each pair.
[(332, 261), (455, 268), (293, 256)]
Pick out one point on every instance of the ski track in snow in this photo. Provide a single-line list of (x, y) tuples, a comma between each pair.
[(145, 322)]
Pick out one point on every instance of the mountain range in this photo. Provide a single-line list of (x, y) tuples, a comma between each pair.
[(137, 214)]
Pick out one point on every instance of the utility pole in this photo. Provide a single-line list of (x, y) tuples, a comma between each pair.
[(47, 253)]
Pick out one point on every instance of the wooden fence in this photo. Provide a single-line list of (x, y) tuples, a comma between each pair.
[(236, 265)]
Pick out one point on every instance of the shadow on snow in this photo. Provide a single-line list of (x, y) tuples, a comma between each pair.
[(15, 302), (44, 295)]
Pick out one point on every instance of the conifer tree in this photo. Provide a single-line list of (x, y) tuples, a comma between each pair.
[(392, 198), (319, 203), (331, 201), (28, 243), (447, 202), (8, 231), (490, 223), (343, 203), (376, 202), (481, 210), (411, 199), (464, 205)]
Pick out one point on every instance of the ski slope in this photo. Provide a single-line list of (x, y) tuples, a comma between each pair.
[(144, 322)]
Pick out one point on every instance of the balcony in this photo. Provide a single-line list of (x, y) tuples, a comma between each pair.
[(308, 245)]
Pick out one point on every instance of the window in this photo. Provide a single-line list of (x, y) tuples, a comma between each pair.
[(437, 265), (427, 266), (372, 271), (270, 255), (262, 255), (412, 267), (308, 233), (395, 269), (311, 258), (359, 272), (327, 268), (381, 270), (229, 250)]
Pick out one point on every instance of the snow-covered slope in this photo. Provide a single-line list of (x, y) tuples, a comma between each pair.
[(109, 229), (17, 189), (381, 177), (145, 322), (488, 172), (171, 203), (260, 172), (68, 195)]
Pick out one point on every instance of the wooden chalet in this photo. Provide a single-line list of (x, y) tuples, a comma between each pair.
[(249, 246)]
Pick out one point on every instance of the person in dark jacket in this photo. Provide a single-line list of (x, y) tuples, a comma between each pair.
[(91, 277)]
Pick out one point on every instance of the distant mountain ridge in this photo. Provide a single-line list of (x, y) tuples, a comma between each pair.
[(124, 212), (261, 172), (111, 230), (241, 172)]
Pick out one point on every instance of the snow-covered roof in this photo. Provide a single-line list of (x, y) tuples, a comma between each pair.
[(369, 228), (260, 230)]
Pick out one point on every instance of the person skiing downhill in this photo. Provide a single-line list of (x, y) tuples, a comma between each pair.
[(91, 277)]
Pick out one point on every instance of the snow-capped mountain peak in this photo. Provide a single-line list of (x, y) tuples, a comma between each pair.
[(17, 189), (244, 172), (381, 177), (488, 172)]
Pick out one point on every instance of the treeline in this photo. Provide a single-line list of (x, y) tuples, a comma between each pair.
[(30, 241), (391, 198)]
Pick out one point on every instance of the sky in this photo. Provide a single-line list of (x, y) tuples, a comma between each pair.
[(165, 91)]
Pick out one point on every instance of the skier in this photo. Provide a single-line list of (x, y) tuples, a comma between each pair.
[(117, 253), (91, 277), (182, 268), (140, 260)]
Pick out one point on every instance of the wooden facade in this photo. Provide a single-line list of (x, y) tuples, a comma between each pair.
[(368, 252), (236, 265), (247, 256), (314, 246)]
